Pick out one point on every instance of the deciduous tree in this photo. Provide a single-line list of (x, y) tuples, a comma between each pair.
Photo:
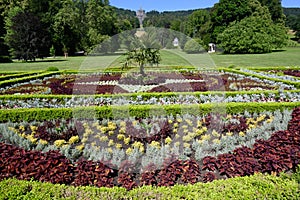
[(101, 20), (67, 26), (254, 34), (228, 11), (196, 23), (275, 9)]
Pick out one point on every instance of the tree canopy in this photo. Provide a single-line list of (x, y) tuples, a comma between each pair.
[(77, 25), (249, 29), (253, 34), (27, 37)]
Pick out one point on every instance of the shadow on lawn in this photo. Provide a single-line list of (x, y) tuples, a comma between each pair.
[(45, 60)]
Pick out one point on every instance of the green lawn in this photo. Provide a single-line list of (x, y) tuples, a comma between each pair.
[(60, 62), (287, 57)]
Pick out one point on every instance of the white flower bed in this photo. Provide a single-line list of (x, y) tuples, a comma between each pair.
[(281, 85), (127, 100), (271, 75)]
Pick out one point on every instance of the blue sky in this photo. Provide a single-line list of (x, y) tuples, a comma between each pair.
[(172, 5)]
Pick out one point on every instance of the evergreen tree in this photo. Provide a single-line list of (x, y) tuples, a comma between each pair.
[(26, 37)]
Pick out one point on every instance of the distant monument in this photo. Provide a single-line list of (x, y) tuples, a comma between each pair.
[(141, 15)]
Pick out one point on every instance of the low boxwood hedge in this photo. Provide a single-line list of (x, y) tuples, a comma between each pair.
[(26, 78), (258, 186), (17, 75), (273, 68), (140, 111)]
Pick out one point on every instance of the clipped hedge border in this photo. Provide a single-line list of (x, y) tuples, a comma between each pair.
[(27, 78), (297, 85), (139, 111), (258, 186), (273, 68), (17, 75), (144, 95)]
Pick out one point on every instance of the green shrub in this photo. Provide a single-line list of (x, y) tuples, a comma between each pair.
[(52, 69), (192, 46), (52, 51)]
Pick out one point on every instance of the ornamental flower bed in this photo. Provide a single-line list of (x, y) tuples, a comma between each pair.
[(140, 134), (292, 72), (289, 72), (114, 83), (280, 152)]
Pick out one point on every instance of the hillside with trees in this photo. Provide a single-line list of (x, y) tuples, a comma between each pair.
[(69, 26)]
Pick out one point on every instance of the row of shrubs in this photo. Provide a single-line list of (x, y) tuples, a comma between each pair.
[(8, 82), (139, 111), (16, 75), (257, 186), (272, 68)]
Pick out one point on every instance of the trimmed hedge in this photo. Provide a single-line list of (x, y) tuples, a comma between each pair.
[(27, 78), (17, 75), (140, 111), (258, 186), (273, 68)]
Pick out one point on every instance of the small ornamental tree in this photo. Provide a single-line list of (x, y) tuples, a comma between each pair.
[(142, 56)]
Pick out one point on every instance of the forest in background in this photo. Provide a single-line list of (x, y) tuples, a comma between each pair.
[(41, 28)]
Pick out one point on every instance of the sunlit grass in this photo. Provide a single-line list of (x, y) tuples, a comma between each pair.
[(171, 59)]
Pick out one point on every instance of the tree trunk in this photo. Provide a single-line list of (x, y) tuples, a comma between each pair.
[(142, 71)]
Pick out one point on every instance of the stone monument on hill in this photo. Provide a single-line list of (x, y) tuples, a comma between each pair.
[(140, 14)]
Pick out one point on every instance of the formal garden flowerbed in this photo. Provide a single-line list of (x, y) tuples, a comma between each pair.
[(114, 83), (252, 150), (53, 129), (290, 72)]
